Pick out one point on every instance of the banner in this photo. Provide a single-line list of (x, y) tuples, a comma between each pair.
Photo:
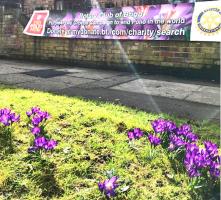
[(149, 22)]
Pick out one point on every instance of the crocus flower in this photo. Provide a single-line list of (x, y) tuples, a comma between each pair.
[(159, 126), (35, 110), (7, 117), (44, 115), (5, 111), (131, 135), (190, 164), (135, 134), (109, 186), (29, 113), (184, 129), (162, 126), (193, 172), (14, 118), (154, 140), (192, 148), (36, 121), (36, 130), (138, 133), (171, 126), (191, 137), (50, 145), (176, 142), (211, 148), (40, 142), (215, 170), (197, 159)]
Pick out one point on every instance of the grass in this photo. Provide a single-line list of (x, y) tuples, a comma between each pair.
[(92, 141)]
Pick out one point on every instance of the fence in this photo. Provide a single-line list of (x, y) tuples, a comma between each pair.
[(86, 5)]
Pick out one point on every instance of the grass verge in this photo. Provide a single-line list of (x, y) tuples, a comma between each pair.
[(92, 141)]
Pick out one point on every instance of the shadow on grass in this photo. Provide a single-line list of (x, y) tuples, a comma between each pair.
[(212, 192), (43, 175), (12, 190), (206, 190), (6, 145)]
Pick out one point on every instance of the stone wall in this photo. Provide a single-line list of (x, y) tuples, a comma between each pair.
[(163, 55)]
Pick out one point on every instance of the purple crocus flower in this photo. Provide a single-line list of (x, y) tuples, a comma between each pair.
[(184, 129), (191, 137), (109, 186), (40, 142), (14, 118), (211, 148), (199, 159), (38, 116), (176, 142), (171, 126), (135, 134), (162, 126), (29, 113), (193, 172), (36, 130), (35, 110), (192, 148), (138, 133), (154, 140), (36, 121), (50, 145), (7, 118), (190, 165), (159, 126), (215, 170), (5, 111), (130, 135), (45, 115)]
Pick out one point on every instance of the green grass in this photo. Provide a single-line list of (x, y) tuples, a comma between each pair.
[(92, 140)]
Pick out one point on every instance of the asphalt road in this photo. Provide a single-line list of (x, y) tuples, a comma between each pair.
[(197, 100)]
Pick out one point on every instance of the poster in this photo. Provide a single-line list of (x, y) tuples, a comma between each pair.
[(206, 25), (36, 25), (149, 22)]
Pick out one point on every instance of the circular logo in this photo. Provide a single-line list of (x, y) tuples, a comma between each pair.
[(209, 21)]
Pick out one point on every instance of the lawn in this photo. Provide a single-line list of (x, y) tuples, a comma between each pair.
[(92, 145)]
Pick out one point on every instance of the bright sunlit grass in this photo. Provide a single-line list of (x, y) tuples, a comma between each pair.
[(92, 140)]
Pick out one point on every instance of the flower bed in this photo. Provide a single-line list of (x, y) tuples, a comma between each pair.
[(90, 150)]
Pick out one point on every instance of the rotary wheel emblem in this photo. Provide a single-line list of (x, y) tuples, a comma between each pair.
[(209, 21)]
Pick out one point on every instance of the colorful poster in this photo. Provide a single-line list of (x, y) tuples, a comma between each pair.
[(206, 25), (149, 22), (36, 25)]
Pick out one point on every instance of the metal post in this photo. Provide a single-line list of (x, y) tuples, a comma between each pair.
[(2, 25)]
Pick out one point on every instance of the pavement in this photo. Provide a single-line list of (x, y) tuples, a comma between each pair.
[(192, 99)]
